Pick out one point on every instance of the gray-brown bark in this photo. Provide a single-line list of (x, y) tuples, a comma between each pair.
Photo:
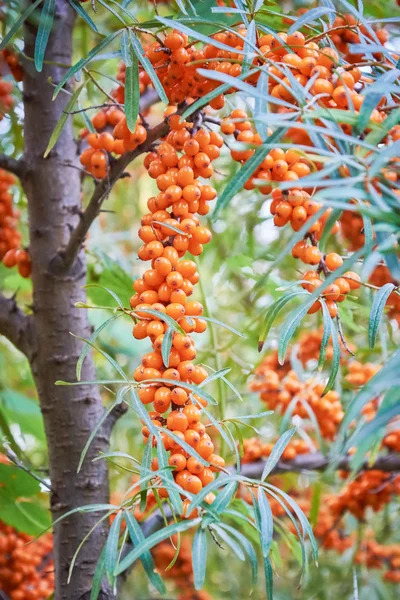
[(70, 413)]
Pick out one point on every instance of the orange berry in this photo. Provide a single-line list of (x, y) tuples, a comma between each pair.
[(333, 261)]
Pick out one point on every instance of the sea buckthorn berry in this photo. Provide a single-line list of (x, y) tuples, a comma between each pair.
[(205, 448), (332, 292), (216, 462), (343, 285), (193, 308), (178, 461), (193, 484), (194, 466), (146, 394), (353, 279), (192, 437), (192, 413), (333, 261), (177, 421), (179, 396), (312, 255), (174, 280), (175, 310)]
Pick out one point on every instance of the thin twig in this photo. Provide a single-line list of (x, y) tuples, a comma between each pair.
[(14, 459), (341, 334)]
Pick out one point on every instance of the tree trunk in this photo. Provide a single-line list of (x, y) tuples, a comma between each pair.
[(70, 413)]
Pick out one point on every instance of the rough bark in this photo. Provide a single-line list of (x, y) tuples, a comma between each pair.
[(70, 413)]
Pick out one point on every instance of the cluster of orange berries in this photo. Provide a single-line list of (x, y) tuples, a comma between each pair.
[(255, 449), (11, 253), (379, 556), (358, 375), (114, 137), (26, 570), (373, 489), (344, 34), (283, 390), (181, 573), (165, 288), (12, 63), (6, 100)]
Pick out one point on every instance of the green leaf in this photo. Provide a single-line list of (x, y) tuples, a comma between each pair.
[(8, 37), (248, 548), (309, 17), (102, 287), (28, 517), (221, 324), (132, 91), (16, 482), (277, 452), (98, 576), (325, 335), (167, 476), (120, 396), (144, 469), (147, 66), (92, 338), (305, 525), (387, 378), (266, 523), (269, 581), (82, 13), (163, 317), (199, 557), (236, 184), (154, 539), (290, 326), (231, 542), (105, 354), (84, 61), (20, 409), (272, 313), (111, 548), (166, 346), (137, 539), (44, 30), (214, 376), (315, 503), (223, 499), (377, 309), (335, 360), (217, 425)]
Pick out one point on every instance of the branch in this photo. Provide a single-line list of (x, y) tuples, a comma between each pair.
[(318, 462), (305, 462), (64, 260), (16, 326), (17, 167)]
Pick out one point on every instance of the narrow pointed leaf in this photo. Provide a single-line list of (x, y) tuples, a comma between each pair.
[(62, 120), (199, 557), (137, 537), (92, 338), (147, 66), (166, 346), (17, 24), (377, 309), (84, 61), (266, 523), (112, 545), (76, 5), (154, 539), (44, 30), (277, 452)]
